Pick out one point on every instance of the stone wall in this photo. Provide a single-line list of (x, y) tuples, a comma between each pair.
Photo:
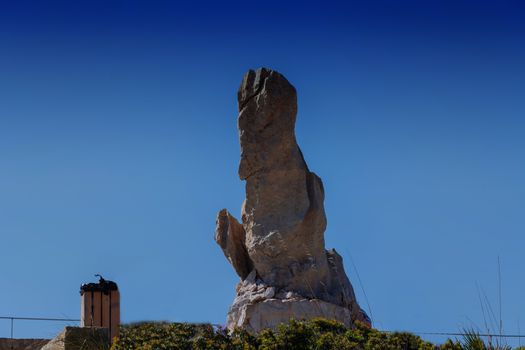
[(22, 344)]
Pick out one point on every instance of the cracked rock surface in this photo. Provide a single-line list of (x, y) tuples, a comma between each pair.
[(278, 251)]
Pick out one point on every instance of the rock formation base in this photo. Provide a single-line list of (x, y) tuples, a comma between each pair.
[(259, 306)]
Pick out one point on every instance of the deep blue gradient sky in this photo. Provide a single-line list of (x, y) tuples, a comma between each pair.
[(118, 146)]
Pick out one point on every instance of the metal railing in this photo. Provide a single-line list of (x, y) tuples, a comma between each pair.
[(13, 319)]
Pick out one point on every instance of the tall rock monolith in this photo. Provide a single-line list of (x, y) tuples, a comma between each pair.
[(278, 250)]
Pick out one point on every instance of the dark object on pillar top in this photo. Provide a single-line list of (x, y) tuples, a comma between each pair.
[(103, 286)]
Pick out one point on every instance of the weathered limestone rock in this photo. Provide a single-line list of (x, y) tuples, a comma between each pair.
[(230, 235), (279, 250)]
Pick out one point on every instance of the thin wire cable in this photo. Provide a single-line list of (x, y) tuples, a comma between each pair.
[(362, 287), (459, 334), (38, 319), (217, 325)]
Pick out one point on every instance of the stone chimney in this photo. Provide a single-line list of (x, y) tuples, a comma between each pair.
[(100, 306)]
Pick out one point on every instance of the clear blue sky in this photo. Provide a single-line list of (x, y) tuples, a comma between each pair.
[(118, 146)]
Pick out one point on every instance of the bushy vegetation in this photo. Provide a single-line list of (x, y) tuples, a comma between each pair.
[(318, 334)]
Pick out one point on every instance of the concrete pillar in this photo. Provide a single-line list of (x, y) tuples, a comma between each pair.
[(100, 306)]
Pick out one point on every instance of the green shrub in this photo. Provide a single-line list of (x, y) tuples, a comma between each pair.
[(473, 341), (294, 335), (450, 345), (317, 334)]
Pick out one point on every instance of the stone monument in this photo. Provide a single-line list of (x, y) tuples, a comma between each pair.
[(278, 251)]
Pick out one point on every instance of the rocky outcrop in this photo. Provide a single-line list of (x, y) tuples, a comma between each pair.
[(279, 249), (230, 235)]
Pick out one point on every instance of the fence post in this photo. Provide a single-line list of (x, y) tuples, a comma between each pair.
[(12, 321)]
